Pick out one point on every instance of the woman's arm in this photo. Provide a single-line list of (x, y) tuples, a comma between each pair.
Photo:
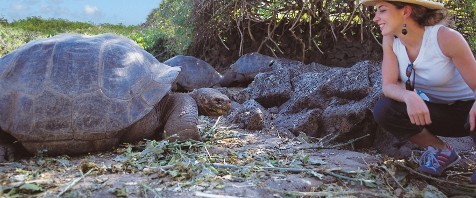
[(393, 88), (454, 46)]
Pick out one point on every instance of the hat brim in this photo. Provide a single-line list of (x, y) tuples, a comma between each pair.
[(424, 3)]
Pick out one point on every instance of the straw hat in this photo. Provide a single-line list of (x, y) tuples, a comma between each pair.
[(425, 3)]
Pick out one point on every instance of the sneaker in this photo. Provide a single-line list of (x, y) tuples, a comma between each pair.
[(435, 161)]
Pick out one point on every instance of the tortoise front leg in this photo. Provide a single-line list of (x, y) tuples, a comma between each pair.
[(7, 152), (180, 117)]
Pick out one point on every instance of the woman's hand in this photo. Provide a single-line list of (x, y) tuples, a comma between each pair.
[(472, 118), (417, 109)]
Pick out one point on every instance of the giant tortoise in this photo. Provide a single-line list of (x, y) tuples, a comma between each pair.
[(195, 73), (73, 94), (243, 71)]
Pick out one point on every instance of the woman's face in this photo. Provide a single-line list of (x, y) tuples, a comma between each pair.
[(388, 18)]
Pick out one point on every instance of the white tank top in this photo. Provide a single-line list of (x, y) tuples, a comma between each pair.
[(436, 75)]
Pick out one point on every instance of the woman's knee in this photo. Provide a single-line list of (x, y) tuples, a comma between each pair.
[(385, 110)]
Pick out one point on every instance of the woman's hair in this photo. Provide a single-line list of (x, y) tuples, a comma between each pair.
[(425, 16)]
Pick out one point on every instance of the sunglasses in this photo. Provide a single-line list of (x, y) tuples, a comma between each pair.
[(408, 84)]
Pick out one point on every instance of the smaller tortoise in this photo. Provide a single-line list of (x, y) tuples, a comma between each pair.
[(244, 70), (73, 94), (195, 73)]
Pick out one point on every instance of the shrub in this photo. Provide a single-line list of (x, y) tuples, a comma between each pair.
[(17, 33), (310, 31), (12, 38), (49, 26), (168, 30)]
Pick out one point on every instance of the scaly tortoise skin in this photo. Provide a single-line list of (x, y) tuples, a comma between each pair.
[(72, 94)]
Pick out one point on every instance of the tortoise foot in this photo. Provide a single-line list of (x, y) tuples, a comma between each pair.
[(7, 152), (184, 135)]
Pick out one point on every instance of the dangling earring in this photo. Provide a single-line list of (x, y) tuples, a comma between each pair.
[(404, 30)]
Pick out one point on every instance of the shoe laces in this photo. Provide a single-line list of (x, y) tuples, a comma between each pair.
[(433, 158)]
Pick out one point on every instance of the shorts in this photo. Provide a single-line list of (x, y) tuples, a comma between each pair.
[(447, 120)]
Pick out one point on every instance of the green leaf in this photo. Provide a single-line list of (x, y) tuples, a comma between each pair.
[(370, 183), (31, 188), (174, 173), (214, 170), (305, 160), (314, 161)]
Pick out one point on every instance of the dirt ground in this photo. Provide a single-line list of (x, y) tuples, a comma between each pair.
[(232, 163)]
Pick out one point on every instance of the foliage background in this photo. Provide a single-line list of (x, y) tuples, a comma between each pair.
[(331, 32), (17, 33)]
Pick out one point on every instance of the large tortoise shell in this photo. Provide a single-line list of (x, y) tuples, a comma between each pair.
[(79, 87)]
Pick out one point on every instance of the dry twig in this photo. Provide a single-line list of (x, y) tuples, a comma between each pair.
[(329, 193), (391, 175), (314, 146), (76, 181), (454, 187)]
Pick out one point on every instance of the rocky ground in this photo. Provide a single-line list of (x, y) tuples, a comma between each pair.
[(260, 151), (232, 162)]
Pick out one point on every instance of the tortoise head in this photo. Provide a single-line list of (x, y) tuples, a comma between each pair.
[(211, 102)]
